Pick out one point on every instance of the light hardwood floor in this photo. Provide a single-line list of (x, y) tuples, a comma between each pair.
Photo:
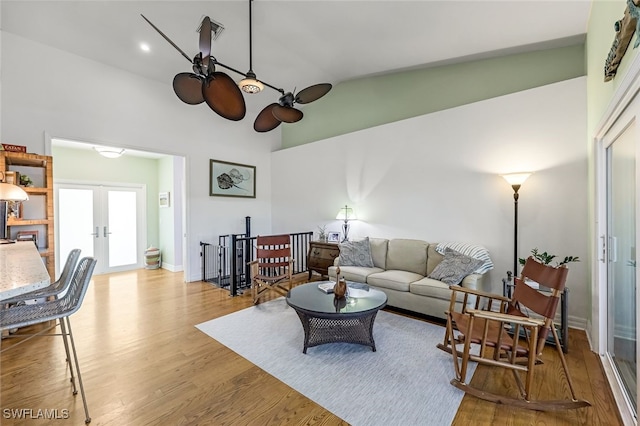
[(144, 363)]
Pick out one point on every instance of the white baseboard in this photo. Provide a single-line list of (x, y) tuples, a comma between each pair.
[(172, 268), (577, 322), (194, 278)]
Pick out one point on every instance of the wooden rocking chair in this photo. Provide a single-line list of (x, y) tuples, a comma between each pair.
[(273, 267), (507, 336)]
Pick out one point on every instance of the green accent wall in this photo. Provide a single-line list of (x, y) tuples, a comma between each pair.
[(600, 36), (367, 102), (89, 166)]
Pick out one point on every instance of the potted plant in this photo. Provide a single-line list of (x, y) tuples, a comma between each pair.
[(546, 258), (322, 233), (25, 180)]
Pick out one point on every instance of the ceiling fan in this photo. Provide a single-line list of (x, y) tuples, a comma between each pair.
[(224, 96), (205, 84), (283, 111)]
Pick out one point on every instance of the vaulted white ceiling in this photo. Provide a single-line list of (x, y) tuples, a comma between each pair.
[(295, 43)]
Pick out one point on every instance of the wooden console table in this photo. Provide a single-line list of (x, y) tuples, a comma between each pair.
[(321, 256)]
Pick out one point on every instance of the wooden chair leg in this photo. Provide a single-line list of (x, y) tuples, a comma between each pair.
[(563, 361), (465, 354), (454, 349)]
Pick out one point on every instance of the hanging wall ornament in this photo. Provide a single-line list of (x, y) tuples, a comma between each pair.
[(625, 28)]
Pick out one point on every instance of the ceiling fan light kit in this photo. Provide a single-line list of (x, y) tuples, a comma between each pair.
[(250, 84), (223, 95)]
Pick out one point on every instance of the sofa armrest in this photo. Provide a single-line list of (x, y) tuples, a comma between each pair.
[(472, 281)]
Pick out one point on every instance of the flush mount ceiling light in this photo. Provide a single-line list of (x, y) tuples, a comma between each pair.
[(223, 95), (109, 152)]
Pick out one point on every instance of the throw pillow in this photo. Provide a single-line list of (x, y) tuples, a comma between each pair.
[(477, 252), (356, 253), (454, 267)]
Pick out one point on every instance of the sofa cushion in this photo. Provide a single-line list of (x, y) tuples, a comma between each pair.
[(379, 252), (353, 273), (433, 258), (454, 267), (393, 279), (407, 255), (433, 288), (356, 253)]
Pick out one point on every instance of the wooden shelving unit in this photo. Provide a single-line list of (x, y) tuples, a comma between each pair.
[(40, 167)]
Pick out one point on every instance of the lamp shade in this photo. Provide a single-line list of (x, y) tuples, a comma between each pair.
[(516, 178), (11, 192), (346, 214)]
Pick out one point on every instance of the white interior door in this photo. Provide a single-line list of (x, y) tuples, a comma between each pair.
[(106, 222)]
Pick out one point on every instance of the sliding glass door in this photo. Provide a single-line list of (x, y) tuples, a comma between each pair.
[(621, 240)]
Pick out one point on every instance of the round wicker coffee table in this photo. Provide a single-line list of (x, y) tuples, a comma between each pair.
[(326, 319)]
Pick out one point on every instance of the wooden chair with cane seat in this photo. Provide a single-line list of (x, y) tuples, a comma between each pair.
[(273, 267), (505, 336)]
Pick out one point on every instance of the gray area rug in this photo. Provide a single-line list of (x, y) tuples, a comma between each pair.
[(405, 382)]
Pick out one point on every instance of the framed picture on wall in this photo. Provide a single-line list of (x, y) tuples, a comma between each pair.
[(231, 179), (163, 199)]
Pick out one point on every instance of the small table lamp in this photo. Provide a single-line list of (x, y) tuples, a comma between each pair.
[(8, 192), (346, 213)]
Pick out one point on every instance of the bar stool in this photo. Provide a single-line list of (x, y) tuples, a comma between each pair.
[(57, 310), (52, 289)]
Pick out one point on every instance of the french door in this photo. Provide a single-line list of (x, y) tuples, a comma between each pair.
[(104, 221)]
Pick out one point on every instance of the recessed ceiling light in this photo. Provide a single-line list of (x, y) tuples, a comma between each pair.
[(145, 47)]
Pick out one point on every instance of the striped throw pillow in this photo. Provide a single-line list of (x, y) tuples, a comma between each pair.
[(477, 252)]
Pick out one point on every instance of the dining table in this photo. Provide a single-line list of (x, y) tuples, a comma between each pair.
[(21, 269)]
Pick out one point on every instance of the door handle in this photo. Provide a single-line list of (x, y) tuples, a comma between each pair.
[(105, 232), (96, 234)]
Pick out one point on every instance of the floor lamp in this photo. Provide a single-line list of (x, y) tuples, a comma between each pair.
[(515, 180)]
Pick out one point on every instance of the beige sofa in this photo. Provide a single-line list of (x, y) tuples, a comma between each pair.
[(400, 269)]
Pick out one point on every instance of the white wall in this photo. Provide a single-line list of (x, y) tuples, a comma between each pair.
[(435, 177), (69, 97), (166, 219)]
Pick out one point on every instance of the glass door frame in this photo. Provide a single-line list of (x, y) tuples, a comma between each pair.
[(141, 203), (619, 123)]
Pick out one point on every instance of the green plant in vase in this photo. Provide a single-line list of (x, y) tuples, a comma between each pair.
[(546, 258), (322, 233), (25, 180)]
